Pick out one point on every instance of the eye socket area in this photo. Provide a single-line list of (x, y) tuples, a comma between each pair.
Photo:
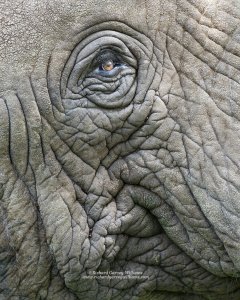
[(102, 72), (109, 79)]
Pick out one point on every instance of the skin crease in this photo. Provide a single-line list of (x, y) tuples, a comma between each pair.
[(137, 171)]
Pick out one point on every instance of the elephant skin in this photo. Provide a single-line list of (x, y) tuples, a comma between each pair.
[(119, 149)]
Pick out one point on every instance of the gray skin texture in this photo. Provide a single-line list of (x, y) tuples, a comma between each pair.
[(130, 170)]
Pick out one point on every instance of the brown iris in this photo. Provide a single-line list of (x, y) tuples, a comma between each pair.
[(108, 65)]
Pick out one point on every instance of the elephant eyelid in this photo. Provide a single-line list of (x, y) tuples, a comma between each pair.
[(107, 54)]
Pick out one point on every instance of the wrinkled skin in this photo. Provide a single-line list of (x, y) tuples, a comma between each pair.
[(134, 169)]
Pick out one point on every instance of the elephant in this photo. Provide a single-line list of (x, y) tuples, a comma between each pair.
[(119, 149)]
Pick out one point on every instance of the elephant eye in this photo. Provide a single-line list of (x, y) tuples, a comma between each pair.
[(107, 66), (108, 63)]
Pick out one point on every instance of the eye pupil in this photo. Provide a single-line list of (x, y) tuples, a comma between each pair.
[(108, 65)]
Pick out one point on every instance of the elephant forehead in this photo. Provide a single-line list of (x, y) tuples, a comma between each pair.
[(30, 26)]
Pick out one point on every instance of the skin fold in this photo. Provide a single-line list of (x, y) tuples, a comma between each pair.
[(119, 149)]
